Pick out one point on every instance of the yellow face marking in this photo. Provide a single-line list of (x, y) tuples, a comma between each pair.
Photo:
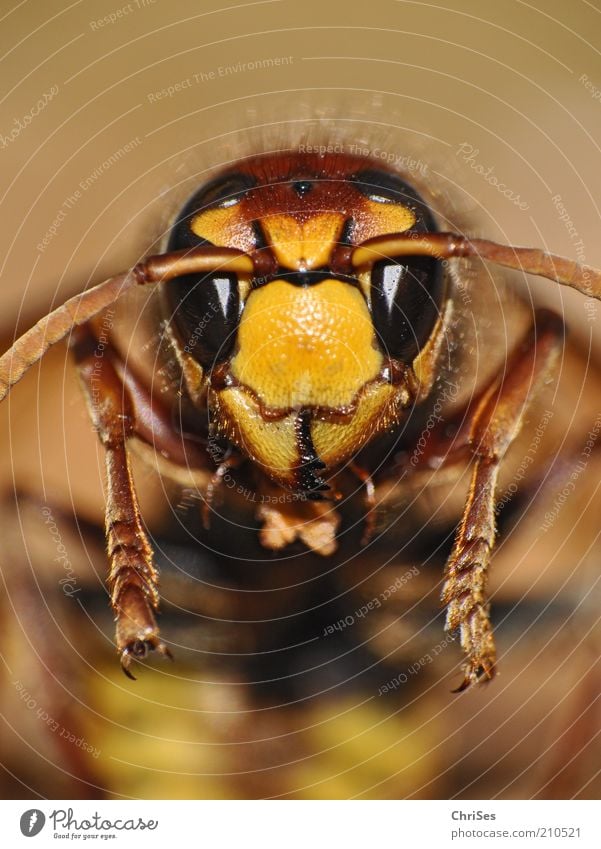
[(303, 244), (271, 444), (377, 218), (310, 346), (378, 409), (224, 227)]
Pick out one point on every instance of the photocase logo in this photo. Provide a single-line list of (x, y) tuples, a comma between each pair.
[(32, 822)]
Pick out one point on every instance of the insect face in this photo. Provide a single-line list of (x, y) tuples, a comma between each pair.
[(301, 367), (306, 303)]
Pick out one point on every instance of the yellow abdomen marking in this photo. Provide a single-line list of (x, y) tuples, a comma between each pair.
[(306, 346)]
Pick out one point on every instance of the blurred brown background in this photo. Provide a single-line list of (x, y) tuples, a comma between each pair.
[(142, 100)]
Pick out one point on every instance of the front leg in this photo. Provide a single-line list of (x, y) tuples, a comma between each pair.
[(132, 578), (496, 422)]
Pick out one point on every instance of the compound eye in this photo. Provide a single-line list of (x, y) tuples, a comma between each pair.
[(384, 187), (406, 299), (205, 312), (223, 192)]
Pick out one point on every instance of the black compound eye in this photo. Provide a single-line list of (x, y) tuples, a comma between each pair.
[(386, 187), (206, 311), (407, 296), (226, 190), (406, 299)]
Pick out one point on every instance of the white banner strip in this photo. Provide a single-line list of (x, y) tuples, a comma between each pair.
[(302, 824)]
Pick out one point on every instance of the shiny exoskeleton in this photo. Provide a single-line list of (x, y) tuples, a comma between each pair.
[(302, 366), (308, 302)]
